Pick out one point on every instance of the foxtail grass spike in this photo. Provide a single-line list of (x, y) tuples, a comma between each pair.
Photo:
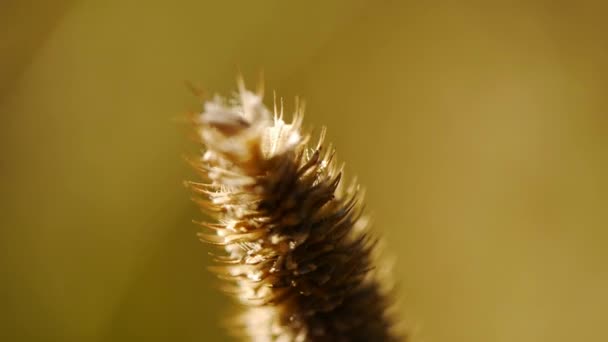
[(297, 252)]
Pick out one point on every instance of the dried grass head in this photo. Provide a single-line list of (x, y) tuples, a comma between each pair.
[(298, 253)]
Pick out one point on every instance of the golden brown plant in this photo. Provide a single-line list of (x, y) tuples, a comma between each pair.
[(298, 253)]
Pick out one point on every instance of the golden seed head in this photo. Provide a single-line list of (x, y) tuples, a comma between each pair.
[(298, 253)]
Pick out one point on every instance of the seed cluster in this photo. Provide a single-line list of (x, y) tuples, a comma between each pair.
[(297, 251)]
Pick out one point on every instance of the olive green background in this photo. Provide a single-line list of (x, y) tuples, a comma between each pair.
[(480, 131)]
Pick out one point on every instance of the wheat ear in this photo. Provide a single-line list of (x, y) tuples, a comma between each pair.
[(297, 251)]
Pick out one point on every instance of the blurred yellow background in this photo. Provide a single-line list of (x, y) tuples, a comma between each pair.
[(480, 131)]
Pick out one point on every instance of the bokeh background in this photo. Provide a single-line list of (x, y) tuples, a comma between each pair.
[(479, 129)]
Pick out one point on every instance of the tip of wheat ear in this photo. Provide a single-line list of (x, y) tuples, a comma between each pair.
[(297, 251)]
